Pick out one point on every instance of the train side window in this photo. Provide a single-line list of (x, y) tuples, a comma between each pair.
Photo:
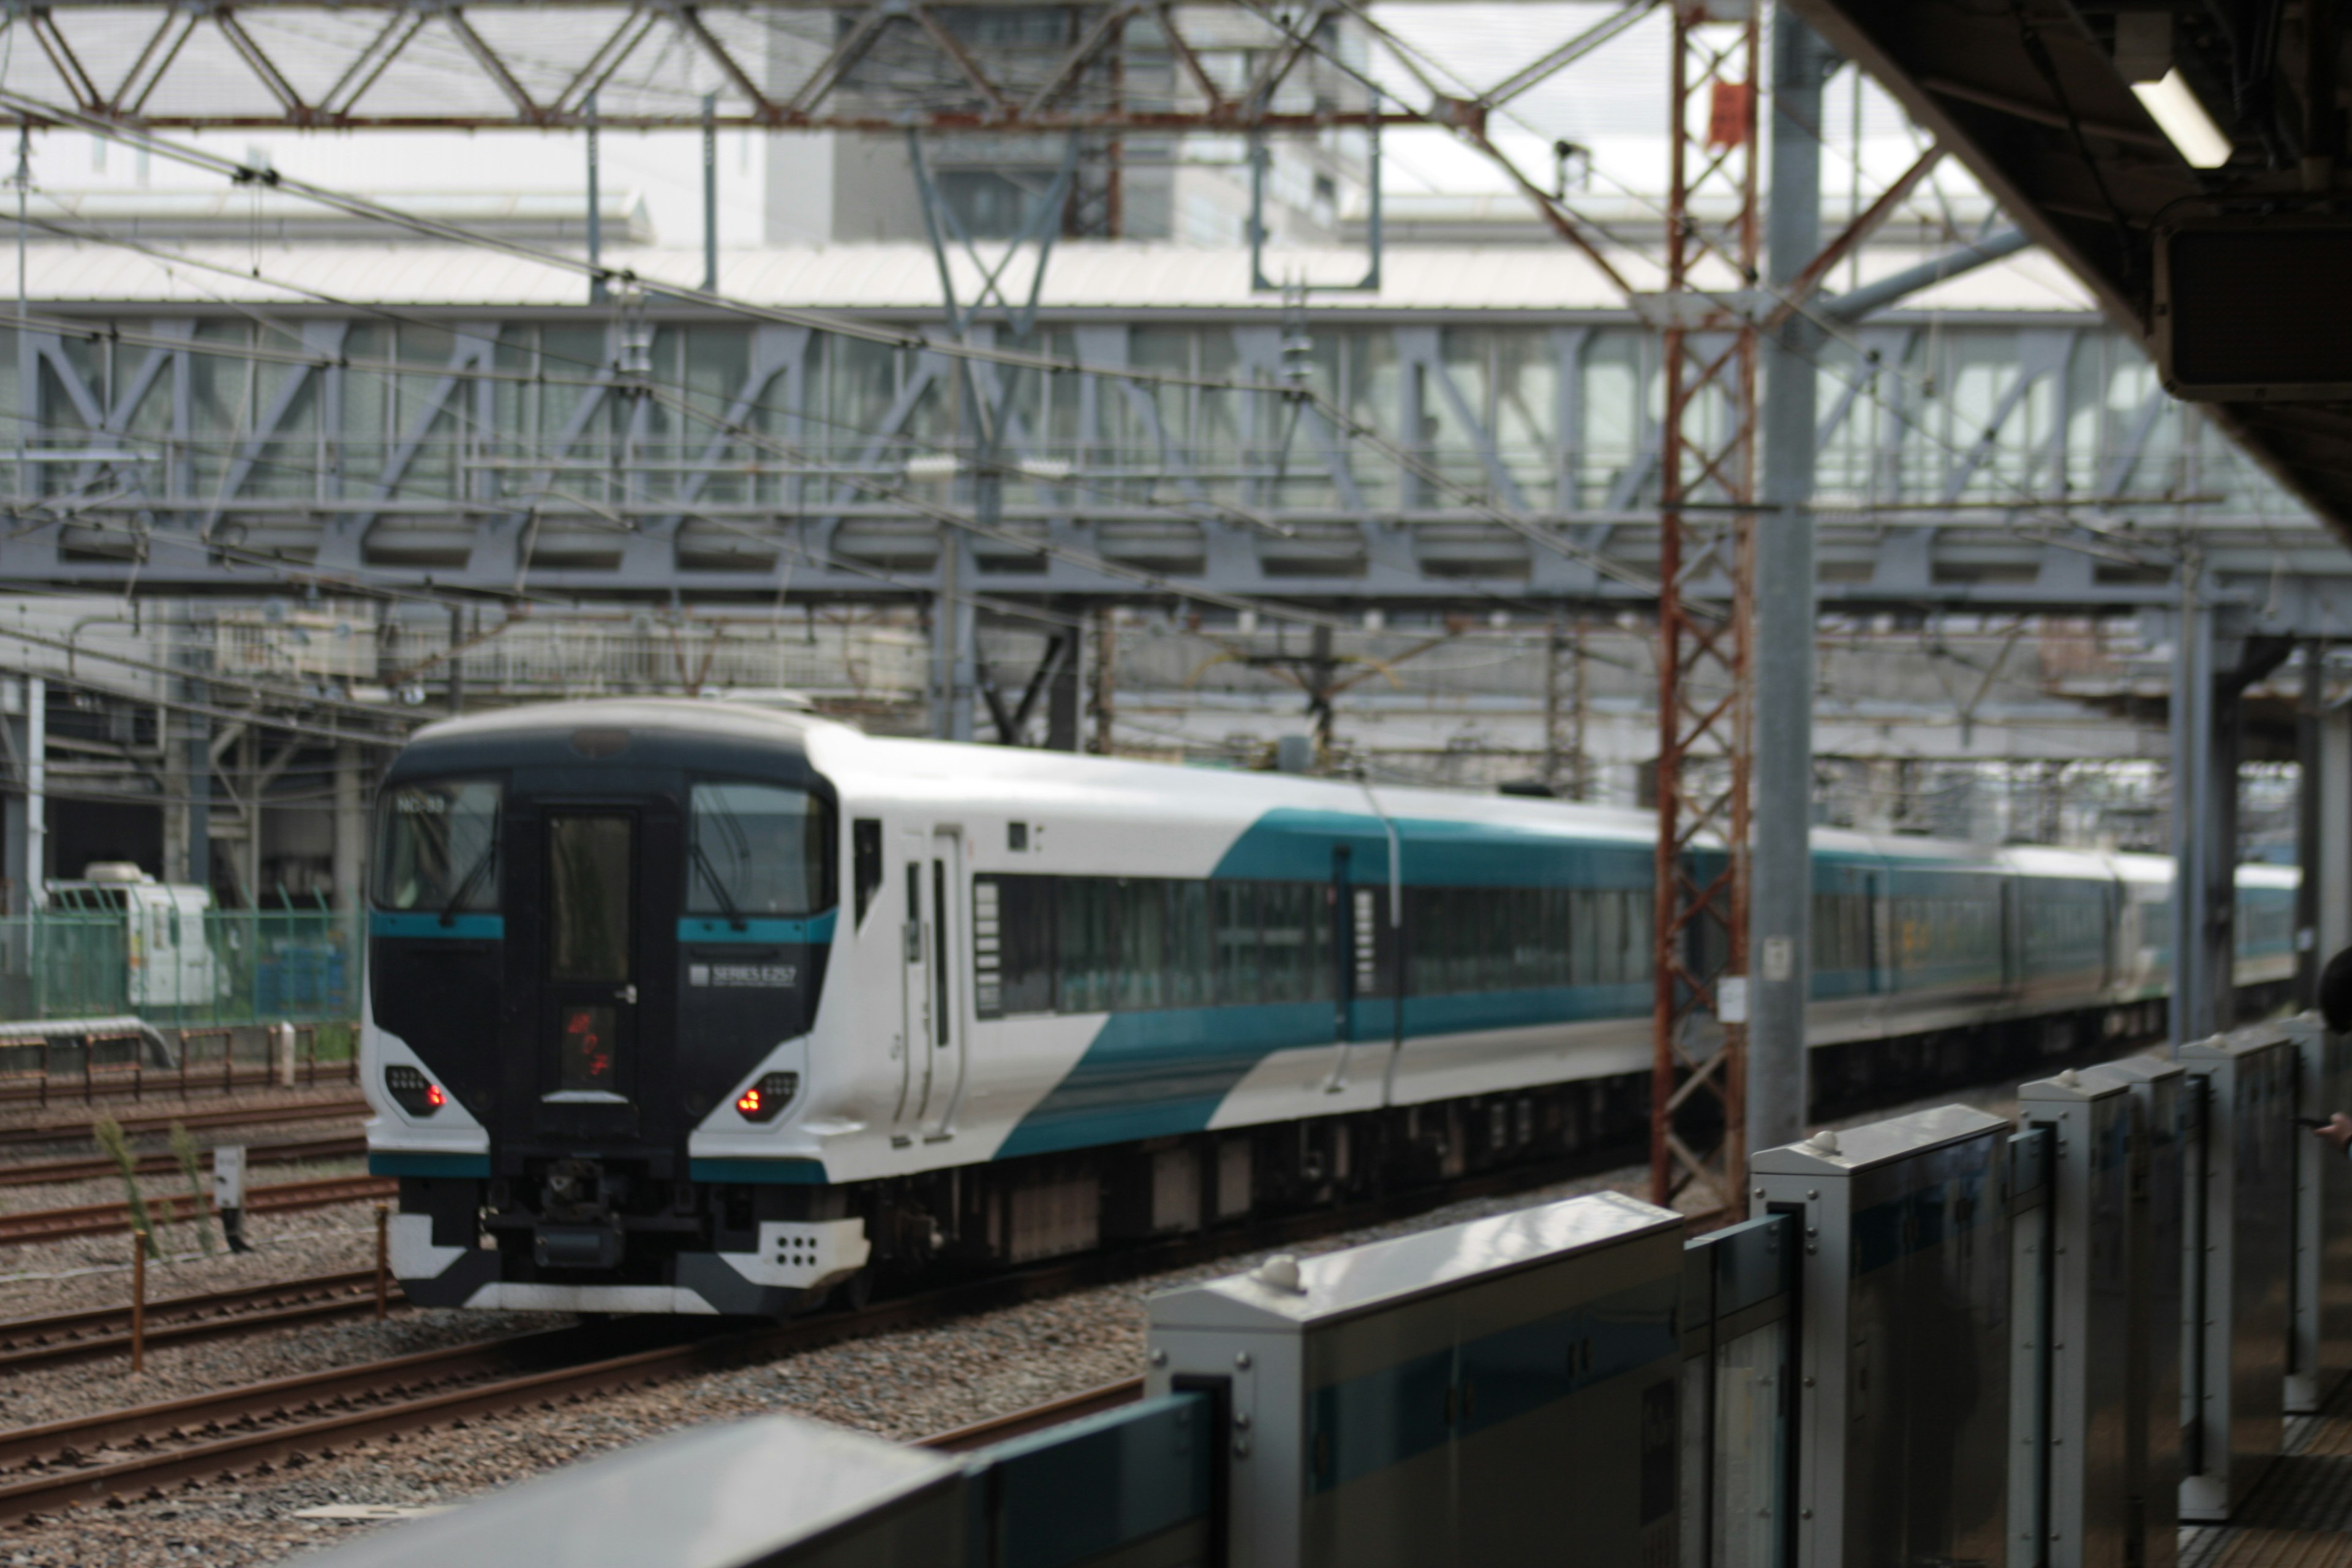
[(865, 858), (1239, 950), (1013, 944), (1286, 910), (1141, 978), (1189, 970), (1087, 942)]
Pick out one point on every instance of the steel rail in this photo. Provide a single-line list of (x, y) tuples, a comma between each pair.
[(255, 1429), (47, 1173), (1036, 1418), (79, 1130), (97, 1331), (103, 1220)]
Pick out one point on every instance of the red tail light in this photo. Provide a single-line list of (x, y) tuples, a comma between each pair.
[(765, 1100), (413, 1092)]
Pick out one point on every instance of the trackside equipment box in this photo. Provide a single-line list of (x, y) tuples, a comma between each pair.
[(2323, 1221), (1902, 1366), (1498, 1394), (2240, 1178)]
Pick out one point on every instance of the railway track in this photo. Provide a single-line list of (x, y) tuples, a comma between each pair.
[(78, 1131), (48, 1172), (106, 1219), (26, 1342), (259, 1428), (1037, 1417)]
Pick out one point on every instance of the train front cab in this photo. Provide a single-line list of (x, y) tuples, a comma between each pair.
[(587, 942)]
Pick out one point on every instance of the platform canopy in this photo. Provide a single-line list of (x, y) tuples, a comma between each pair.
[(2182, 158)]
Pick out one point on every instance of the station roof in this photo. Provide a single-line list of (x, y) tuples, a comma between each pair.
[(2038, 100), (902, 280)]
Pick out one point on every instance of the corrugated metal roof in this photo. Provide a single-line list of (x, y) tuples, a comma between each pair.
[(903, 279)]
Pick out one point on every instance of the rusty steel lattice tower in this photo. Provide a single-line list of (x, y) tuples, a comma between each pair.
[(1708, 472)]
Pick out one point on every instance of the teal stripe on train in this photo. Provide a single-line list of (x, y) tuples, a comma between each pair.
[(719, 929), (1293, 845), (1150, 1073), (430, 923), (462, 1167)]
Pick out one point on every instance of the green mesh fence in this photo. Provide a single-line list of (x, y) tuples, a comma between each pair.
[(224, 967)]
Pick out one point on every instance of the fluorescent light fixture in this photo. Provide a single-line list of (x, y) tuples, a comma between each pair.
[(2181, 118)]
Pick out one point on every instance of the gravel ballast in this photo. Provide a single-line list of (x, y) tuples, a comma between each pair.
[(902, 1386)]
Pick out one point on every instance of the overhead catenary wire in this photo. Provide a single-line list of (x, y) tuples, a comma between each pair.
[(1351, 429), (1830, 328), (1338, 420)]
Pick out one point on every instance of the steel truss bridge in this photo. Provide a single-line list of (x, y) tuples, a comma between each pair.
[(887, 67), (577, 453)]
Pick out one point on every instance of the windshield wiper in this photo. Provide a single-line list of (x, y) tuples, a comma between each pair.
[(711, 875), (449, 909)]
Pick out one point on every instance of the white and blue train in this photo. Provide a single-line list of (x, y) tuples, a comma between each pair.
[(699, 1007)]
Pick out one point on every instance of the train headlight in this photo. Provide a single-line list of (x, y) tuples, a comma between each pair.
[(765, 1100), (413, 1092)]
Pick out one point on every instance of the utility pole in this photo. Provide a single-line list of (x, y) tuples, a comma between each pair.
[(1780, 887), (1705, 572), (595, 212), (1105, 676), (711, 192)]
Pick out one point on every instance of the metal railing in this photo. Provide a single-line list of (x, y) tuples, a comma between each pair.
[(204, 1061), (222, 968)]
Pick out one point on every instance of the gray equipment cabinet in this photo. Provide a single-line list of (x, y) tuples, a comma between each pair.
[(776, 1492), (1903, 1363), (2091, 1299), (2241, 1217), (1483, 1395), (2322, 1350)]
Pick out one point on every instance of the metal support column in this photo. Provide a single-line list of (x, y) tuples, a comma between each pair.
[(1063, 688), (1705, 543), (954, 648), (2192, 723), (2332, 869), (595, 210), (2311, 712), (26, 807), (197, 660), (2210, 674), (351, 827), (1104, 675), (711, 192), (1780, 893)]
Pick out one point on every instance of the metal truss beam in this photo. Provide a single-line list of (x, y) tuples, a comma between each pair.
[(746, 497), (887, 67)]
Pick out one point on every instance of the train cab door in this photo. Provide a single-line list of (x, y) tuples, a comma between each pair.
[(592, 970), (943, 885), (915, 989)]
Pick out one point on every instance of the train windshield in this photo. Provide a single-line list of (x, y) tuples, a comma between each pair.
[(437, 846), (758, 850)]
